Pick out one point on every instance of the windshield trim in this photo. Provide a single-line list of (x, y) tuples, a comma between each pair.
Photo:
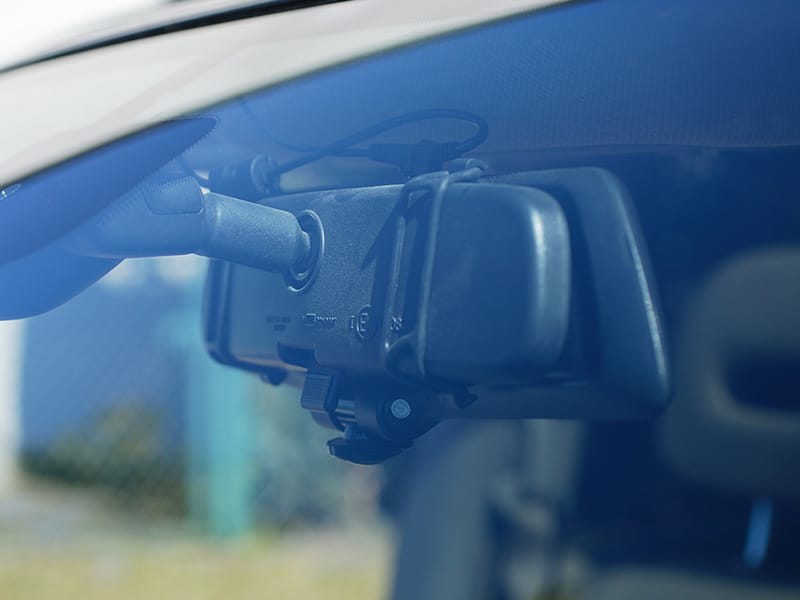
[(161, 21)]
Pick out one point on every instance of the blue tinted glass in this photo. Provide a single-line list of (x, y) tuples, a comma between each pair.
[(591, 74), (575, 84), (692, 106)]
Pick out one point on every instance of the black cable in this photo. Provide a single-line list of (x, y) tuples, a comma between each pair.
[(343, 146), (259, 176), (267, 133)]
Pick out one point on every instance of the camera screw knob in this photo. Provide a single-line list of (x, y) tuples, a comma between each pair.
[(400, 409)]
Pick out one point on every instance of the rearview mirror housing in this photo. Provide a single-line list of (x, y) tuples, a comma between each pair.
[(459, 295)]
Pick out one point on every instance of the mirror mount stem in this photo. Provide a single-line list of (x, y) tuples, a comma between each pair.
[(176, 217)]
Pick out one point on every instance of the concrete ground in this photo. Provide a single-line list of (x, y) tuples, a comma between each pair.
[(59, 543)]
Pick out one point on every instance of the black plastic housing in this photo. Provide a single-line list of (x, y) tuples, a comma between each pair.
[(518, 296), (470, 285)]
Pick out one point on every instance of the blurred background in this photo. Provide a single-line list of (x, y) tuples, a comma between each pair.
[(134, 466)]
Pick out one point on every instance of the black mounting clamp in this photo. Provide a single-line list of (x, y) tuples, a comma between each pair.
[(376, 423)]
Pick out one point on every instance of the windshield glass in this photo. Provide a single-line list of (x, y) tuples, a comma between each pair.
[(690, 110)]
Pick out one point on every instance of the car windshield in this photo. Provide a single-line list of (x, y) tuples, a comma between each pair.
[(139, 466)]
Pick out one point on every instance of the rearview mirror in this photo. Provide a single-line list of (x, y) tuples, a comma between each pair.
[(454, 295)]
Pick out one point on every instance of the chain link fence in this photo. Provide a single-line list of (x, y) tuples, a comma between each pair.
[(117, 394)]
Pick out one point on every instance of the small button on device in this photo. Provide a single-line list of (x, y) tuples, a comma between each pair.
[(400, 409)]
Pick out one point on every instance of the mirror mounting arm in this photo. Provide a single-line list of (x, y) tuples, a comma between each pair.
[(176, 217)]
